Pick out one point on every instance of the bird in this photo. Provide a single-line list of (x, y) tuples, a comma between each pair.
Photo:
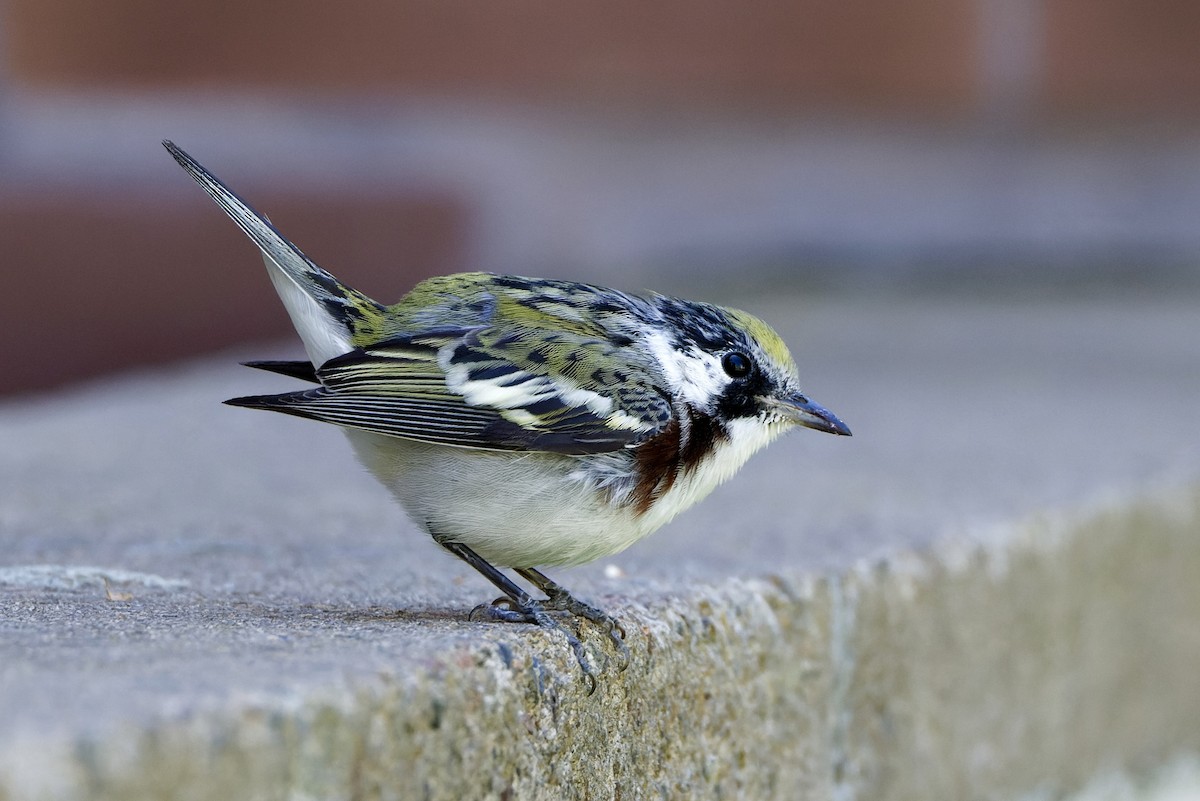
[(527, 423)]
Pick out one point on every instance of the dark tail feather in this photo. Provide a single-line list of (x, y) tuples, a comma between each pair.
[(299, 369), (295, 403)]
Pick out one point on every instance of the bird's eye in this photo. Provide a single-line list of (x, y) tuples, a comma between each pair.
[(737, 365)]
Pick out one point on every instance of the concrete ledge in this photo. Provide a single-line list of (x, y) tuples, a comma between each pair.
[(983, 672), (281, 654)]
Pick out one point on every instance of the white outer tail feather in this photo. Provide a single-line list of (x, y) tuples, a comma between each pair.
[(291, 272), (323, 335)]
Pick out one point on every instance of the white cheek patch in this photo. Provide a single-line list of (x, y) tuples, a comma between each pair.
[(694, 374)]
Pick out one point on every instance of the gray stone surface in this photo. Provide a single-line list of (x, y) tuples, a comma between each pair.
[(208, 602)]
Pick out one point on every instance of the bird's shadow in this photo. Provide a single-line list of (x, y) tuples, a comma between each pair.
[(338, 615)]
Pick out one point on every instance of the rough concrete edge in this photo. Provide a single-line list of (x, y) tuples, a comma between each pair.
[(988, 671), (1031, 665)]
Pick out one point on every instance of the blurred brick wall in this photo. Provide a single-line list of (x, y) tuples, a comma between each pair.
[(97, 283), (899, 53), (120, 268), (1122, 57), (922, 55)]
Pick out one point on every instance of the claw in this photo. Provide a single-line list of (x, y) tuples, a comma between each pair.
[(560, 600), (539, 616), (508, 611), (518, 607), (617, 634), (591, 680), (538, 613), (504, 612)]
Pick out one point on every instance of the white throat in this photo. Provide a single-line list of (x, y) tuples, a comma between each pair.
[(747, 436)]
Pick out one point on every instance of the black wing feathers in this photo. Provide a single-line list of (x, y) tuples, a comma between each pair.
[(440, 422), (397, 389)]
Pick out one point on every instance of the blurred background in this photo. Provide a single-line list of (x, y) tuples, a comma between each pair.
[(1028, 147)]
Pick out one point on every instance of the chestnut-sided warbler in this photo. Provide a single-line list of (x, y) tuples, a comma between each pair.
[(526, 422)]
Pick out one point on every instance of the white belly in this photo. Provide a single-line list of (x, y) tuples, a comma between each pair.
[(520, 509), (514, 509)]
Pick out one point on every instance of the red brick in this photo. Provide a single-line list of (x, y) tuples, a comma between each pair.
[(1124, 56), (94, 284), (889, 52)]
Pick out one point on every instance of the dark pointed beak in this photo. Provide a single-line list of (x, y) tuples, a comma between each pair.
[(803, 412)]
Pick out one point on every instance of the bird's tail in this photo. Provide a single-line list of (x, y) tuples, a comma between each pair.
[(330, 317)]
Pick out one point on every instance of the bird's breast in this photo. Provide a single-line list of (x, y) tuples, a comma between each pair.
[(530, 509), (675, 453)]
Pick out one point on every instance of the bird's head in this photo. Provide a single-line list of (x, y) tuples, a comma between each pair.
[(732, 366)]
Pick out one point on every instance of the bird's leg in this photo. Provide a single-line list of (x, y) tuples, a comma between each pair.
[(522, 609), (558, 599)]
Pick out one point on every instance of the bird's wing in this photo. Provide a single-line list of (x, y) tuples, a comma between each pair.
[(470, 388)]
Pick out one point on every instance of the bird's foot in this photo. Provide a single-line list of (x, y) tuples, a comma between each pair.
[(503, 610), (559, 600), (536, 612)]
